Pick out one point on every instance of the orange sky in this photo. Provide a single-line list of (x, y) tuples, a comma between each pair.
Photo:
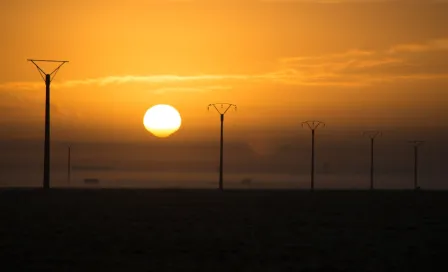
[(374, 63)]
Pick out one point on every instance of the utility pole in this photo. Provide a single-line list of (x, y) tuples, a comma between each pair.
[(221, 108), (47, 79), (312, 125), (416, 144), (372, 135), (69, 166)]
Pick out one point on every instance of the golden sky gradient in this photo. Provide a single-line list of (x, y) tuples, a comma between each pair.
[(373, 64)]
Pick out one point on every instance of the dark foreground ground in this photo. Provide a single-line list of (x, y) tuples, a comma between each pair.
[(203, 230)]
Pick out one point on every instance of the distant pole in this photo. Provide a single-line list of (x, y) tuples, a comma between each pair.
[(69, 166), (221, 152), (416, 144), (221, 108), (47, 78), (312, 125), (372, 135)]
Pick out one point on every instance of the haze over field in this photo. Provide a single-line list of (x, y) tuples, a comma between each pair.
[(356, 65)]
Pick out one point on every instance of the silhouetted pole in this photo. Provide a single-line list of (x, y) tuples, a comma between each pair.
[(222, 108), (47, 78), (221, 152), (69, 166), (312, 125), (372, 135), (416, 144), (415, 166), (47, 133)]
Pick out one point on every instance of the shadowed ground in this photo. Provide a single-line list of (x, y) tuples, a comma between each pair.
[(205, 230)]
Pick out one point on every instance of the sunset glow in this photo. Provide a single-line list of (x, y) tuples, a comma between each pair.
[(354, 64)]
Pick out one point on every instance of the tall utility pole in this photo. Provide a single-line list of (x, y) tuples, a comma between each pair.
[(221, 108), (69, 166), (416, 144), (372, 135), (312, 125), (47, 79)]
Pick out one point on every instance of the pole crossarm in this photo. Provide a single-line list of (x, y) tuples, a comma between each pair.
[(42, 72), (372, 134), (222, 108), (313, 125)]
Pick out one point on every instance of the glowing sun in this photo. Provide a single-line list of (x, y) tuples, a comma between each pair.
[(162, 120)]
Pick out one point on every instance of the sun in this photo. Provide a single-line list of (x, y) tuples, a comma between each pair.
[(162, 120)]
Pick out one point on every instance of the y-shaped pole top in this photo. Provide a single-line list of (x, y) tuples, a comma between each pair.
[(313, 125), (42, 72), (222, 108)]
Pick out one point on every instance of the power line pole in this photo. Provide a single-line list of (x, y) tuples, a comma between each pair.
[(372, 135), (69, 166), (47, 79), (312, 125), (416, 144), (221, 108)]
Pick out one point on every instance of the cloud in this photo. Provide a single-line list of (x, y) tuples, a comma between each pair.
[(353, 68), (148, 79), (351, 53), (190, 89), (413, 61), (434, 45), (21, 85), (156, 80)]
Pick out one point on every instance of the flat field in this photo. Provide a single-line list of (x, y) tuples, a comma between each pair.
[(208, 230)]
